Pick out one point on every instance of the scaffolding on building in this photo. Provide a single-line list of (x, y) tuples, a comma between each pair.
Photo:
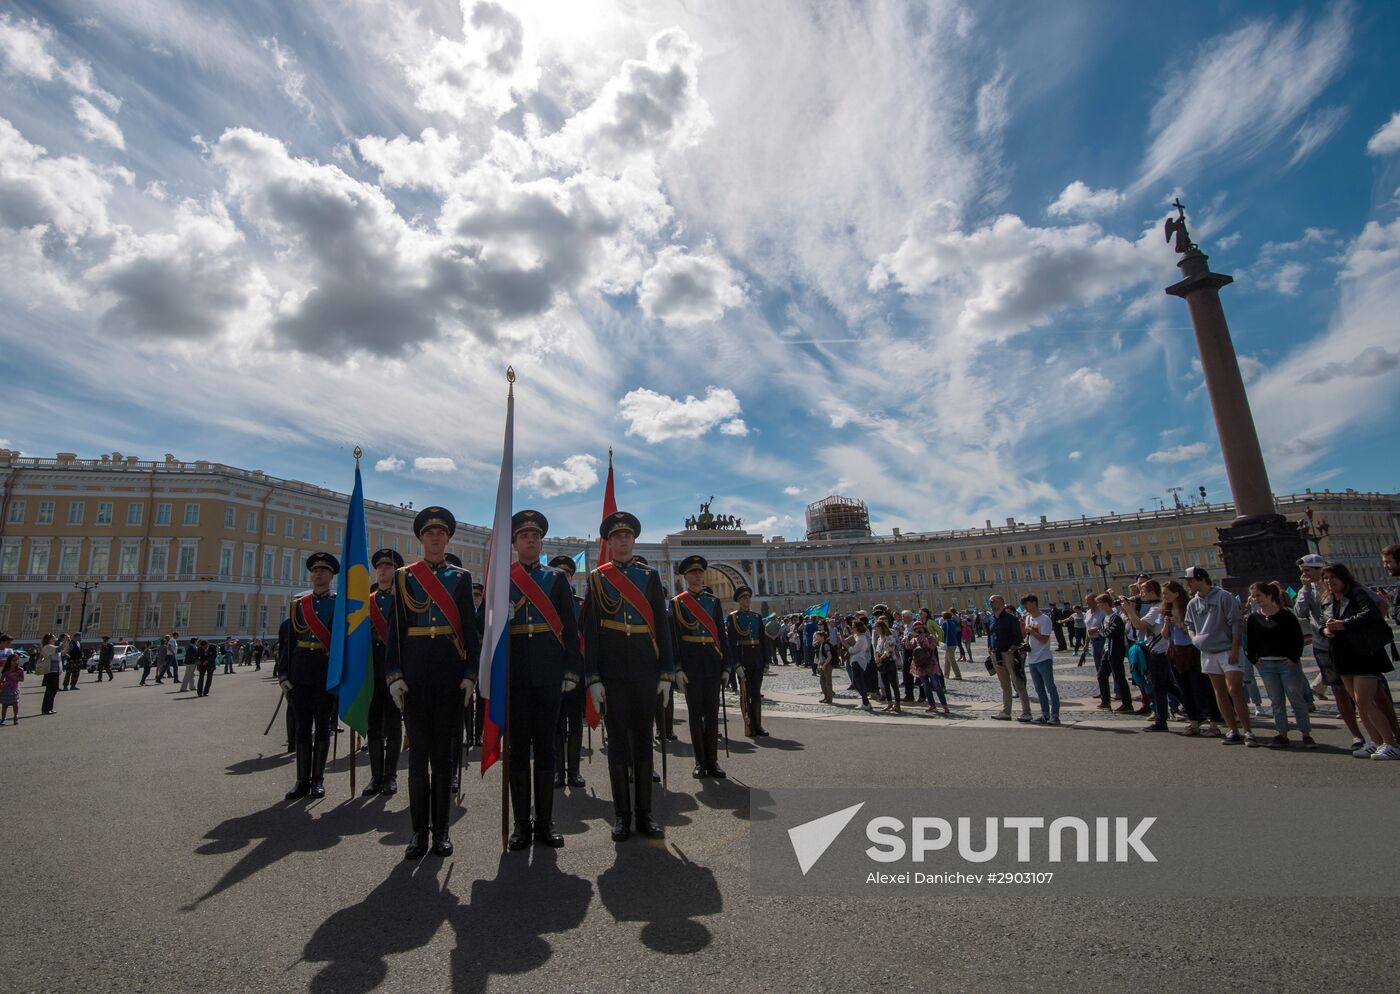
[(837, 517)]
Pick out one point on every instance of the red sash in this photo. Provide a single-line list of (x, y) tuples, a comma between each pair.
[(381, 623), (701, 615), (314, 622), (629, 593), (435, 590), (527, 586)]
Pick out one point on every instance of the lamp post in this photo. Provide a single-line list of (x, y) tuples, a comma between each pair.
[(84, 586), (1311, 531), (1101, 560)]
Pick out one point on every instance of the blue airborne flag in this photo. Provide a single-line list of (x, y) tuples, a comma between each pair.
[(350, 675)]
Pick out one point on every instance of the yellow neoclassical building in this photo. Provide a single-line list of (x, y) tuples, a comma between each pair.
[(134, 548)]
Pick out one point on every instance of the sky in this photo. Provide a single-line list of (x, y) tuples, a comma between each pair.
[(905, 252)]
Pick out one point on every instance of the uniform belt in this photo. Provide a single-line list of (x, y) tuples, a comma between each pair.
[(702, 639), (535, 629), (624, 627), (310, 645), (431, 630), (748, 641)]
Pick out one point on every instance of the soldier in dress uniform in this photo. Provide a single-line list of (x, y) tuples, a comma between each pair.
[(748, 643), (568, 740), (702, 662), (434, 647), (628, 666), (308, 656), (385, 722), (545, 662)]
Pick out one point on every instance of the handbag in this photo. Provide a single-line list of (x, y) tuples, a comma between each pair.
[(1181, 657)]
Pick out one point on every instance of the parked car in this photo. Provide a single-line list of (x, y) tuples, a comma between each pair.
[(122, 657)]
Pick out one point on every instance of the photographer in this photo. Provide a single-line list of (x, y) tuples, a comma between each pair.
[(1040, 660), (1110, 632), (1148, 626), (1004, 640)]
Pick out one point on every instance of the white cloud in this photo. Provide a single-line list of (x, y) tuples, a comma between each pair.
[(493, 66), (1313, 133), (97, 126), (656, 417), (1271, 72), (432, 162), (735, 427), (435, 464), (1179, 453), (684, 289), (579, 473), (1079, 199), (1090, 383), (389, 464), (1387, 137), (1289, 278), (1075, 456), (292, 79), (1008, 276), (792, 491), (23, 47)]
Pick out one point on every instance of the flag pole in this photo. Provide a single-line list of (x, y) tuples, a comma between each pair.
[(354, 748), (505, 729)]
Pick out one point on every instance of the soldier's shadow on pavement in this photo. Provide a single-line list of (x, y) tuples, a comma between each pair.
[(287, 828), (666, 892), (782, 745), (259, 764), (500, 928), (574, 809)]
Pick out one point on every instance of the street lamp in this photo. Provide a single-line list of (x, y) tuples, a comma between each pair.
[(84, 586), (1101, 560), (1313, 532)]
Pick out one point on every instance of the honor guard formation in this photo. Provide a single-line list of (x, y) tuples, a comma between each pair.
[(618, 651)]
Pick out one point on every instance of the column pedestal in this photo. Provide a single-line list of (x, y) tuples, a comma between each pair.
[(1260, 547)]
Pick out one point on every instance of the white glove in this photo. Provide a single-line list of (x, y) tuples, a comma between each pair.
[(681, 680), (287, 685), (596, 692), (569, 685), (397, 690), (468, 685), (663, 692)]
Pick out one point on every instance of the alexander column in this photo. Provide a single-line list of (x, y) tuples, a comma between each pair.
[(1260, 544)]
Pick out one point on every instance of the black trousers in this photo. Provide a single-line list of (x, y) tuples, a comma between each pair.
[(753, 692), (1107, 668), (385, 721), (104, 668), (532, 720), (434, 719), (568, 739), (145, 671), (1197, 695), (314, 709), (206, 680), (50, 692), (909, 677), (702, 703), (628, 712)]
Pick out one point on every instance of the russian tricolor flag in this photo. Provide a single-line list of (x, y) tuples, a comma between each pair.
[(495, 638)]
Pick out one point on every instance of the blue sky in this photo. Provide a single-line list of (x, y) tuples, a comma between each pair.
[(908, 253)]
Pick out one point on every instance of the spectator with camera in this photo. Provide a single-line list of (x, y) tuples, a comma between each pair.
[(1358, 635), (1004, 641)]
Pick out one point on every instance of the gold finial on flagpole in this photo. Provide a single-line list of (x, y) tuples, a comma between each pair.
[(510, 378), (358, 453)]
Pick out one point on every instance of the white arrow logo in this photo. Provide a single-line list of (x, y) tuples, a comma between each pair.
[(811, 839)]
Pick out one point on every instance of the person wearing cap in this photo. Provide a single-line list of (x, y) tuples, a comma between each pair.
[(1217, 626), (304, 680), (568, 737), (701, 650), (431, 666), (385, 737), (628, 666), (545, 662), (748, 641)]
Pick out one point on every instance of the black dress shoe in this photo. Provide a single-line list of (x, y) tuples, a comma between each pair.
[(558, 779), (418, 848), (520, 838), (655, 777), (698, 771), (717, 773), (547, 836), (576, 781), (301, 789), (762, 733), (390, 786), (371, 788), (622, 828), (318, 788), (442, 844), (673, 737), (650, 827)]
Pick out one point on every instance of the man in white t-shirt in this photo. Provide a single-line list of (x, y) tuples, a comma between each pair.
[(1036, 628)]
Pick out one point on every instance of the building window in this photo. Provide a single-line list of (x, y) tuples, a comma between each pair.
[(220, 615), (1137, 564), (948, 575), (908, 582), (996, 574), (186, 564), (1011, 571), (1157, 562), (191, 514), (39, 560), (1081, 545), (93, 621), (882, 581), (322, 533), (1052, 546), (1152, 538), (230, 515), (1069, 568), (981, 574), (271, 528), (75, 512), (61, 615), (31, 620), (152, 618), (1176, 562), (1055, 570), (101, 558), (160, 559), (1040, 570), (1134, 540), (869, 582), (225, 561), (288, 528), (262, 618), (162, 514), (9, 559), (286, 567), (967, 575), (134, 513), (250, 521), (267, 565), (918, 559), (1189, 533), (243, 617), (123, 622), (15, 516), (45, 513), (1023, 550), (247, 562), (962, 555), (306, 531), (182, 617)]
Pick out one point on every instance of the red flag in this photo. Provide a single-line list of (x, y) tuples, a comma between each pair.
[(590, 713)]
